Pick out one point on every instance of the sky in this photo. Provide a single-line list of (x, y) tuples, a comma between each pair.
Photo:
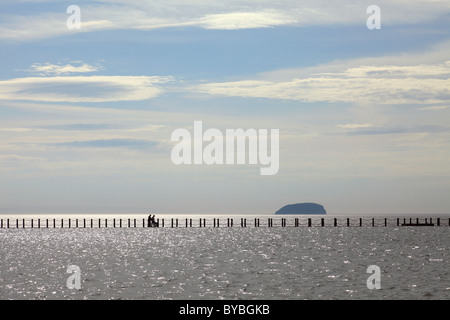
[(87, 114)]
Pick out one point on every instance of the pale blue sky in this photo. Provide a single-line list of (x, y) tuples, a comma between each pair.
[(86, 115)]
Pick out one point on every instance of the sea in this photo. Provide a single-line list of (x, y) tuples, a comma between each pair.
[(282, 262)]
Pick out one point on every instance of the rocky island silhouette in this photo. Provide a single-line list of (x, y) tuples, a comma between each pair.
[(302, 208)]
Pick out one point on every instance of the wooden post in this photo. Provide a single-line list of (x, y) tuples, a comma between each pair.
[(31, 223), (23, 223), (39, 223), (120, 223), (171, 222), (438, 222), (385, 222), (348, 222), (135, 223), (309, 222), (190, 223), (7, 223), (322, 222), (398, 222), (360, 222), (373, 222), (335, 222)]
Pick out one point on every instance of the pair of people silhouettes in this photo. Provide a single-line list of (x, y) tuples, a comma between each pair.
[(151, 222)]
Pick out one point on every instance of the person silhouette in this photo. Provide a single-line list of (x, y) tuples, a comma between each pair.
[(149, 221)]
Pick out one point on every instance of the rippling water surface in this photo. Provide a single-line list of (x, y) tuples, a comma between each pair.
[(226, 263)]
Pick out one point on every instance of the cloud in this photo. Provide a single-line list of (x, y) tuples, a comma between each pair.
[(355, 125), (15, 129), (213, 14), (81, 127), (348, 82), (336, 89), (82, 88), (376, 130), (435, 108), (245, 20), (48, 69), (109, 143)]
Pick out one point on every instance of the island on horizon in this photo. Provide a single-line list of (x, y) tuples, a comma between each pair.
[(302, 208)]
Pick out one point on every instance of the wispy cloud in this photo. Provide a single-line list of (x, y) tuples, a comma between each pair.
[(385, 84), (245, 20), (49, 69), (213, 14), (355, 125), (82, 88), (390, 129), (109, 143)]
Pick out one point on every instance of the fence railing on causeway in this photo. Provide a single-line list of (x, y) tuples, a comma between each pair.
[(27, 223)]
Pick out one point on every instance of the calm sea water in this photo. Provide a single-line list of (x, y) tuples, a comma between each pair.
[(226, 263)]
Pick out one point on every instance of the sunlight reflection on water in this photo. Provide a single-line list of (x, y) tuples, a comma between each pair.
[(225, 263)]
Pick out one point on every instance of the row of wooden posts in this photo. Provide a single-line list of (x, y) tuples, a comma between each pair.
[(175, 223)]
